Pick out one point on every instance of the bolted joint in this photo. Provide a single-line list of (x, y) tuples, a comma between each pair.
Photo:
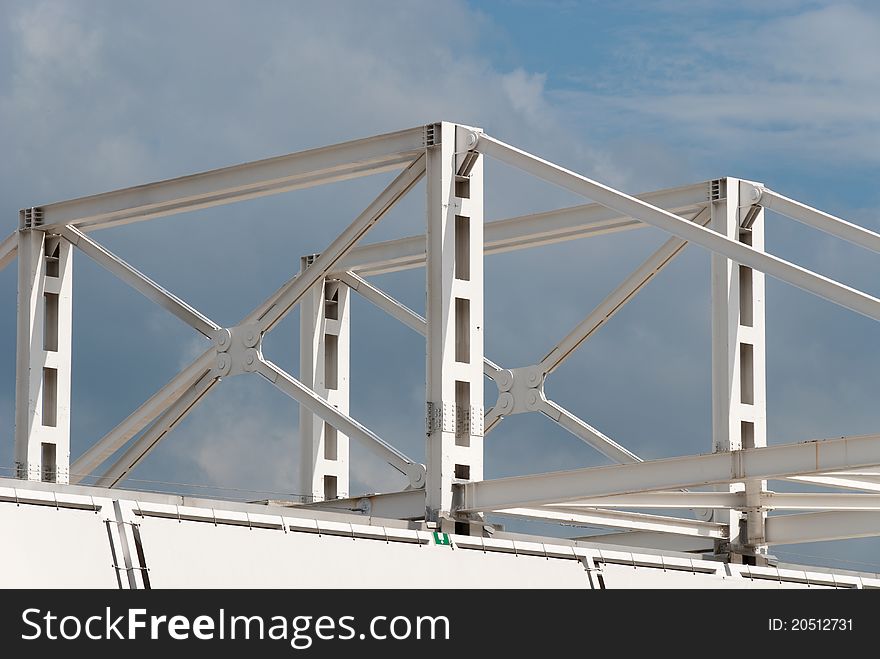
[(417, 475), (238, 350), (520, 390)]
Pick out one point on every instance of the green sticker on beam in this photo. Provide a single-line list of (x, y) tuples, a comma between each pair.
[(442, 539)]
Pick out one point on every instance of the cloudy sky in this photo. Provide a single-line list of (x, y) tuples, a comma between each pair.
[(100, 95)]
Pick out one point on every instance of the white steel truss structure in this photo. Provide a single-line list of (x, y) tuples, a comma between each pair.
[(726, 489)]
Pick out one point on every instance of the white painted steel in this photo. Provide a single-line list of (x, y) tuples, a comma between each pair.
[(692, 471), (145, 444), (454, 314), (140, 282), (617, 519), (8, 249), (836, 481), (400, 311), (324, 367), (324, 263), (819, 219), (452, 251), (43, 357), (101, 450), (584, 431), (247, 181), (739, 402), (623, 203), (822, 526), (319, 406), (659, 500), (615, 300), (525, 231)]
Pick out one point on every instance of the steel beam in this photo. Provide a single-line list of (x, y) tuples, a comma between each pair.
[(739, 400), (720, 500), (838, 481), (247, 181), (8, 249), (583, 430), (269, 312), (820, 501), (671, 500), (637, 209), (817, 219), (692, 471), (101, 450), (454, 312), (400, 311), (140, 282), (652, 540), (324, 339), (820, 527), (621, 520), (317, 405), (290, 294), (43, 357), (615, 300), (145, 444), (407, 504), (527, 231)]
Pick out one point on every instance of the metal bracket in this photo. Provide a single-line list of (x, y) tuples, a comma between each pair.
[(30, 218), (239, 350), (520, 390), (750, 203), (451, 417)]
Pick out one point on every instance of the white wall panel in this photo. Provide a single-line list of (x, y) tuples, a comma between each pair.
[(201, 555), (48, 547)]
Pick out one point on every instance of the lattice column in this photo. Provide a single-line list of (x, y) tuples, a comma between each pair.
[(324, 366), (739, 410), (455, 317), (42, 370)]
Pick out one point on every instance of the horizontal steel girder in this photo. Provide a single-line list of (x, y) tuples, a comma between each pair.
[(526, 231), (637, 209), (674, 473), (239, 182)]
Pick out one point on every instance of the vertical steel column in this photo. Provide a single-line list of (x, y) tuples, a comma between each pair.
[(324, 367), (739, 412), (42, 367), (455, 317)]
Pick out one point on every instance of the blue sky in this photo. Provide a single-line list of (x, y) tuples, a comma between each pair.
[(101, 95)]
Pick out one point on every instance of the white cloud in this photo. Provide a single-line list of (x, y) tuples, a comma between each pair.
[(797, 82)]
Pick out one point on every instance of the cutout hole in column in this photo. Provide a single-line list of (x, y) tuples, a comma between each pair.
[(462, 413), (463, 187), (462, 330), (48, 461), (50, 322), (747, 374), (462, 247), (747, 434), (330, 442), (463, 472), (52, 254), (331, 300), (50, 397), (331, 361), (745, 296), (330, 488)]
